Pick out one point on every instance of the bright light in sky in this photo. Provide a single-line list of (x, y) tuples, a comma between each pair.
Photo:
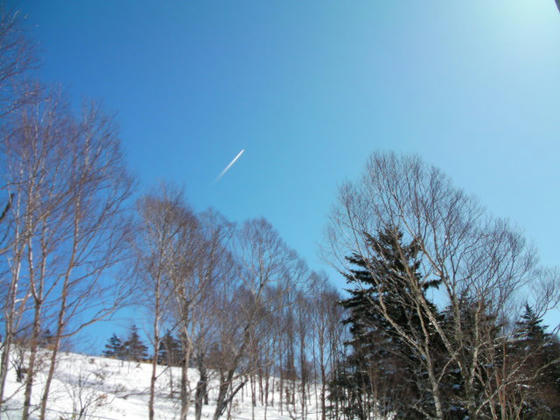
[(227, 168)]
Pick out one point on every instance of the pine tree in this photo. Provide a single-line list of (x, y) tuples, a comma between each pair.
[(529, 329), (380, 362), (134, 349), (114, 348), (540, 353), (169, 350)]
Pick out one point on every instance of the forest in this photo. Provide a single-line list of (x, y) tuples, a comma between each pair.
[(441, 315)]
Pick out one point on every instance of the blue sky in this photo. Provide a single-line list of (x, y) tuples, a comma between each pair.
[(311, 88)]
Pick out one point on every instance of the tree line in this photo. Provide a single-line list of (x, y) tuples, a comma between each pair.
[(245, 308)]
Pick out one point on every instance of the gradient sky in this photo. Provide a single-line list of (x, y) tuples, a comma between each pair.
[(311, 88)]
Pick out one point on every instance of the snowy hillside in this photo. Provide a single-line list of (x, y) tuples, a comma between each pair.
[(101, 388)]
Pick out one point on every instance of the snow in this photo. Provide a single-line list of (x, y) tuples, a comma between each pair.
[(109, 389)]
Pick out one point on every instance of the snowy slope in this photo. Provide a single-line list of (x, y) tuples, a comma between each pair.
[(111, 389)]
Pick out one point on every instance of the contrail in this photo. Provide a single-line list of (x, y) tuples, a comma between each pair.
[(230, 165)]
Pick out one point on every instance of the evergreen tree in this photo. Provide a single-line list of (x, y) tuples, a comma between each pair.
[(134, 349), (380, 362), (539, 352), (169, 350), (529, 329), (114, 348)]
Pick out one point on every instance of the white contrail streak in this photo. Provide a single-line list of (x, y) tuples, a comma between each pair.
[(227, 168)]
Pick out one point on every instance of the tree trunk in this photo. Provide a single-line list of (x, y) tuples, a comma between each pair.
[(185, 394), (225, 384), (9, 330), (253, 396), (62, 311), (31, 365), (323, 391), (201, 395), (37, 293), (56, 345), (435, 391), (151, 411)]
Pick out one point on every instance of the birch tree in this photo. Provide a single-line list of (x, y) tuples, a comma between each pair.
[(263, 261), (182, 283), (91, 286), (70, 186), (326, 317), (215, 266), (16, 59), (161, 220)]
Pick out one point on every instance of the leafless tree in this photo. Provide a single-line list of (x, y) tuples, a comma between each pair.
[(544, 294), (263, 260), (214, 267), (162, 218), (477, 259), (95, 240), (199, 263), (86, 395), (70, 185), (16, 58), (326, 323), (183, 258), (304, 339), (28, 152)]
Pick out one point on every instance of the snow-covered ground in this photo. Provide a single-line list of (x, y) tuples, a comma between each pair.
[(111, 389)]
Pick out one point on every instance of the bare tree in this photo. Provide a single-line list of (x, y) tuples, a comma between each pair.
[(69, 229), (91, 288), (86, 395), (545, 293), (303, 322), (28, 152), (214, 267), (182, 257), (326, 318), (161, 221), (198, 263), (16, 58), (44, 192), (263, 260), (477, 259)]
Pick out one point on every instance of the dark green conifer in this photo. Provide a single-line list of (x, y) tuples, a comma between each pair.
[(134, 349), (114, 348), (539, 353), (169, 350), (380, 361)]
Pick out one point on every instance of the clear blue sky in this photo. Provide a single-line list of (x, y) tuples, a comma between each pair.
[(310, 88)]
